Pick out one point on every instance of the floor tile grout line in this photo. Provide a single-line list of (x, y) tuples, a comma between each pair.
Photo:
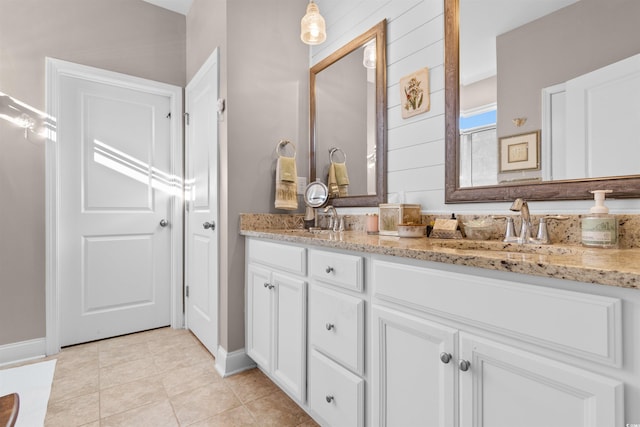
[(159, 375)]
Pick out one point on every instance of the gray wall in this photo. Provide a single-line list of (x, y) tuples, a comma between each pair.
[(264, 78), (568, 43), (126, 36)]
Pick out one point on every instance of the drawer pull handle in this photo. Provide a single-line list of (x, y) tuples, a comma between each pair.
[(329, 398), (464, 365), (329, 269), (269, 285), (330, 326), (445, 357)]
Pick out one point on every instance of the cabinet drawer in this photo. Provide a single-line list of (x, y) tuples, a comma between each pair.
[(335, 394), (580, 324), (336, 326), (284, 257), (337, 269)]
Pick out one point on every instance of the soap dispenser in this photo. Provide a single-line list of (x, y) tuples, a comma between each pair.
[(599, 227)]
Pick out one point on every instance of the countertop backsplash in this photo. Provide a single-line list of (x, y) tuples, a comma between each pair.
[(566, 232)]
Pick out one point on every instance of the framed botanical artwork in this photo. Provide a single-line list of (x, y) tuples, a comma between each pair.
[(414, 93), (520, 152)]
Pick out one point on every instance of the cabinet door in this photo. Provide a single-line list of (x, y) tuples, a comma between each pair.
[(411, 385), (289, 366), (504, 386), (259, 315)]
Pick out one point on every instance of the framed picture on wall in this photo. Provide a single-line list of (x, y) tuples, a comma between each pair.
[(520, 152), (414, 93)]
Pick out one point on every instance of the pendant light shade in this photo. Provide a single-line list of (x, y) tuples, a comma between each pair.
[(312, 26), (369, 57)]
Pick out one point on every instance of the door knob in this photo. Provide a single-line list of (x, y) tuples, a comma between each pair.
[(209, 225), (445, 357), (464, 365), (163, 223)]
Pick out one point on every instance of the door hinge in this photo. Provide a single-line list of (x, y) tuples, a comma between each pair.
[(186, 118), (186, 292)]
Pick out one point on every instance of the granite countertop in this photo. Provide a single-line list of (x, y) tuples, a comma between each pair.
[(612, 267)]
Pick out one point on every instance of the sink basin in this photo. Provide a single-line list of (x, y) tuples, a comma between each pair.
[(498, 246)]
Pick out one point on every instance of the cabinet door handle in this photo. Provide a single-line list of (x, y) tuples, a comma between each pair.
[(464, 365), (329, 269), (329, 398), (445, 357), (269, 285), (330, 326)]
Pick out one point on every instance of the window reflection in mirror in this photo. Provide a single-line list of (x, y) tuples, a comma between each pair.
[(546, 66), (613, 28)]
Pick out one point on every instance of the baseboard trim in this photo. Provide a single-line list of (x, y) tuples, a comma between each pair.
[(21, 351), (232, 363)]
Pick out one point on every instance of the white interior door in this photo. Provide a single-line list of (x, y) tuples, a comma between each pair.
[(115, 199), (602, 111), (202, 204)]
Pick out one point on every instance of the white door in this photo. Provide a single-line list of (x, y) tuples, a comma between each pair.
[(600, 108), (289, 344), (202, 204), (414, 371), (507, 387), (115, 198), (259, 316)]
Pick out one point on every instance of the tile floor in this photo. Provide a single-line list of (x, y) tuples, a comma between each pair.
[(163, 377)]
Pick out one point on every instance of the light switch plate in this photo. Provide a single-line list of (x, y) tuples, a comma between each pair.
[(302, 184)]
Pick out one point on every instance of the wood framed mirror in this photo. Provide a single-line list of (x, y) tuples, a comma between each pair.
[(348, 107), (627, 186)]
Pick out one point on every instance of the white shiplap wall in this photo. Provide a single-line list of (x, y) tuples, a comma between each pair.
[(415, 157)]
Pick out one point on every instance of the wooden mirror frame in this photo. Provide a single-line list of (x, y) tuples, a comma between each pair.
[(622, 186), (379, 33)]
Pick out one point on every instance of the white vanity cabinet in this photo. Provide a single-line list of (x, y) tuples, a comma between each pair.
[(446, 352), (418, 343), (277, 312), (336, 338)]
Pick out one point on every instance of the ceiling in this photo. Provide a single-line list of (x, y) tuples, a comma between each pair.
[(179, 6)]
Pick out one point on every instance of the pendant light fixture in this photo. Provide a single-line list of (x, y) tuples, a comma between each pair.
[(312, 26), (369, 56)]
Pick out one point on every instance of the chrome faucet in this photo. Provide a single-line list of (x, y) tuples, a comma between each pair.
[(520, 205), (334, 221)]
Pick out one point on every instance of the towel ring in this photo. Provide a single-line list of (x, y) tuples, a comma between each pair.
[(282, 144), (333, 151)]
